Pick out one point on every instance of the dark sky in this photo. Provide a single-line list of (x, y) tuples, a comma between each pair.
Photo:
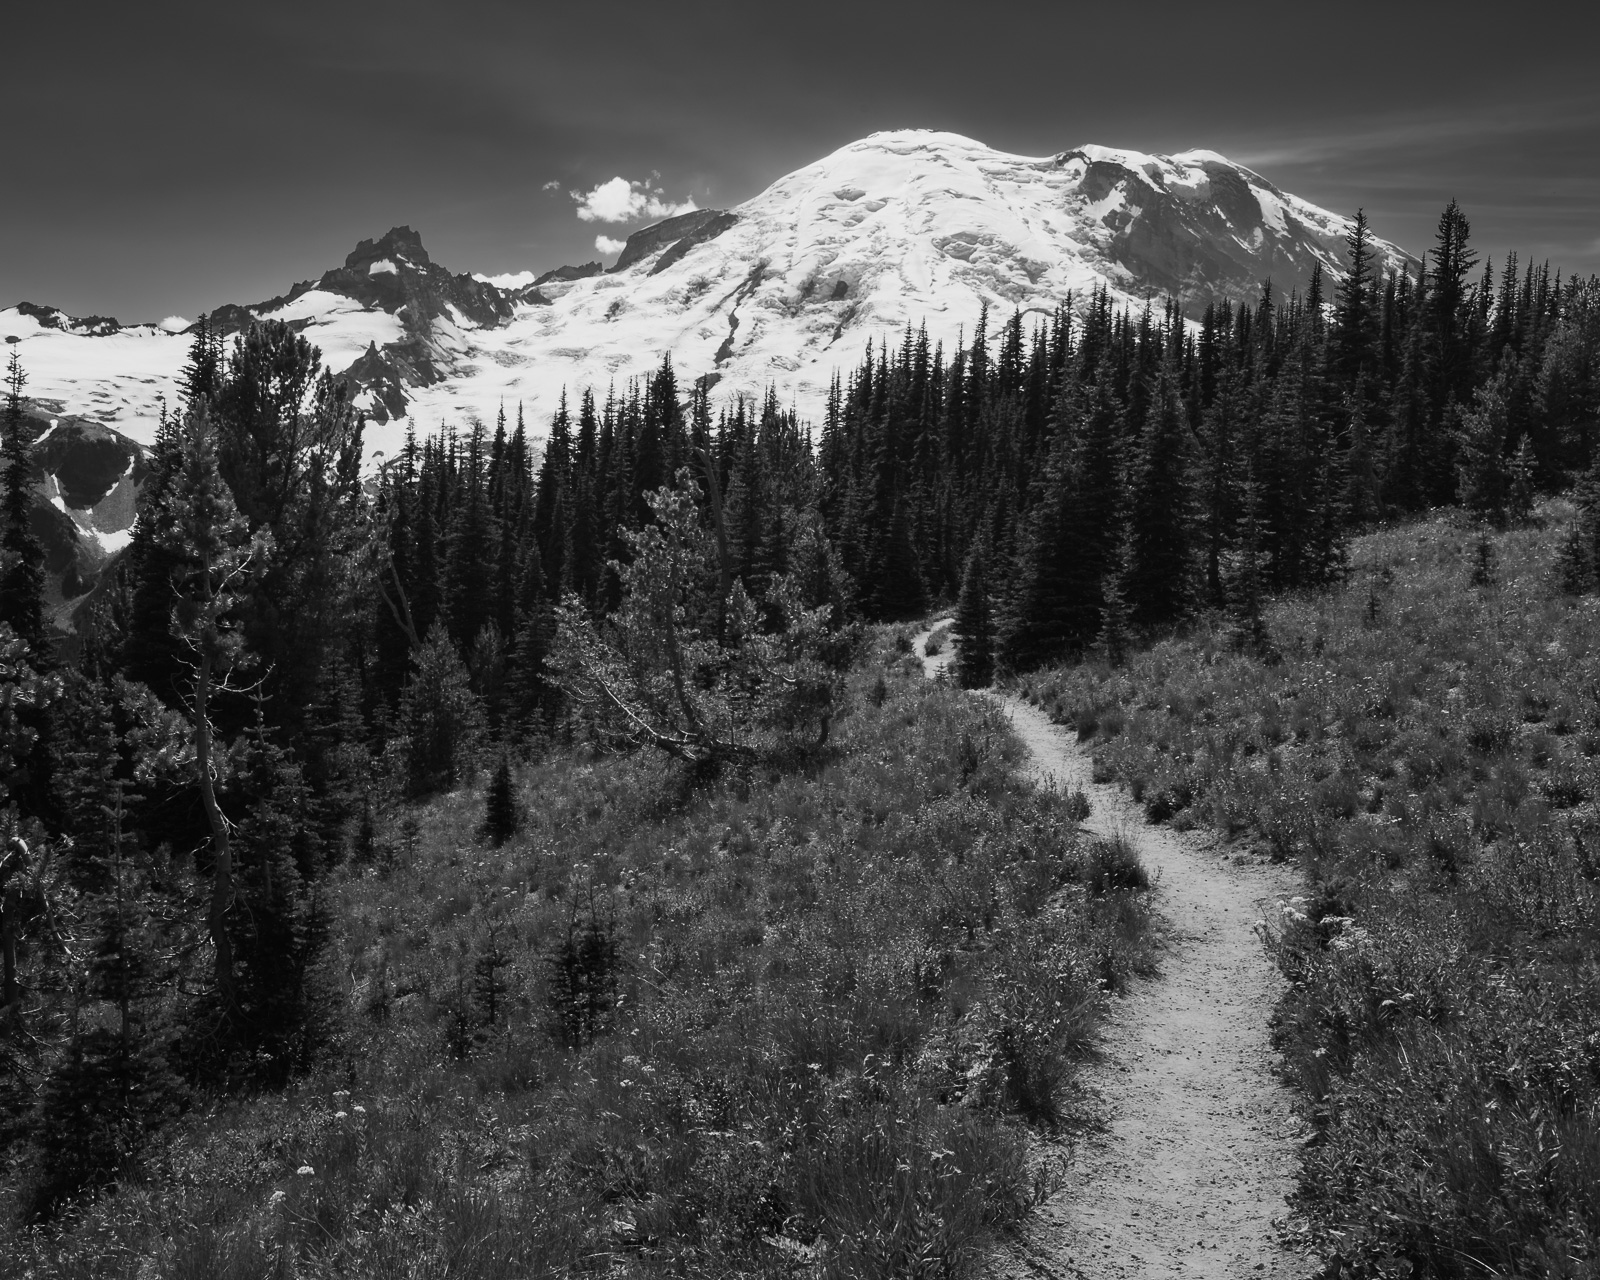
[(166, 157)]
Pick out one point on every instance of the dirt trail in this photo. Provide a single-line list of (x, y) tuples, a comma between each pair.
[(1187, 1178)]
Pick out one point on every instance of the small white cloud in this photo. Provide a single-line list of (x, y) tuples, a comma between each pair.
[(609, 246), (622, 201), (553, 185), (175, 324)]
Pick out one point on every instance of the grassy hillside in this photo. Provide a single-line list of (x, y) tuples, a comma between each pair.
[(783, 1022), (1425, 741)]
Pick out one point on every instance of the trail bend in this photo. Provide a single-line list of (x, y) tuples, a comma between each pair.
[(1186, 1176)]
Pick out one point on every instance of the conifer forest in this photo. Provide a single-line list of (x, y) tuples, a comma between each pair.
[(541, 854)]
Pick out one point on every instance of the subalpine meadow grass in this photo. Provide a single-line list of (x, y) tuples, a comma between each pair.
[(1425, 741), (781, 1023)]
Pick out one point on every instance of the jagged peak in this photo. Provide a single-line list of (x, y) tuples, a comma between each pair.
[(400, 243)]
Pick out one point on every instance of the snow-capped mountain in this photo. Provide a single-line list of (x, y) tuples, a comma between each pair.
[(898, 229)]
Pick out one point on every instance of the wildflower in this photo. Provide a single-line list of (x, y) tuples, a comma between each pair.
[(306, 1171), (341, 1115)]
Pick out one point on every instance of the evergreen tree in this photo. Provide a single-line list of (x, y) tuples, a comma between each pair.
[(206, 537), (894, 590), (974, 625), (1116, 615), (470, 557), (112, 1086), (500, 804), (1155, 582), (150, 652), (1352, 345), (1520, 490), (440, 717), (1485, 471), (529, 694), (279, 927), (1046, 613)]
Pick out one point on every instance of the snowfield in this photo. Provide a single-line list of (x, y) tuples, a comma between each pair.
[(895, 230)]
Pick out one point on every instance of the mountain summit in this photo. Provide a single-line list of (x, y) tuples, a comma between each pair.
[(898, 229)]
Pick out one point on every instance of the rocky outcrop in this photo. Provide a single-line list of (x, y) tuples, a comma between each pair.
[(1206, 230), (86, 487), (382, 378), (663, 235), (565, 275), (710, 229), (55, 318)]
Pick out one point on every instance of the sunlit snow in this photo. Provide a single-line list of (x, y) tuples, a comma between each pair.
[(898, 229)]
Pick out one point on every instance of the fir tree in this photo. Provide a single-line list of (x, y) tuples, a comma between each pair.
[(204, 533), (440, 717), (150, 652), (1520, 489), (1038, 623), (1485, 472), (470, 558), (279, 928), (1155, 580), (529, 695), (500, 805), (974, 625), (1116, 615), (1351, 348), (112, 1086), (894, 589)]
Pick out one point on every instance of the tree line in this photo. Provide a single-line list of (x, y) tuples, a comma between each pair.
[(288, 645), (1102, 475)]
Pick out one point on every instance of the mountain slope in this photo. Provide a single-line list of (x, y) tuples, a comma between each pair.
[(894, 230)]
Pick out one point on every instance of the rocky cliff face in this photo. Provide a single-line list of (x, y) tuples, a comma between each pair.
[(898, 229), (86, 486)]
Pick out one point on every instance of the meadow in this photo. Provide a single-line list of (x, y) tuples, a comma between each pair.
[(1424, 741), (819, 1019)]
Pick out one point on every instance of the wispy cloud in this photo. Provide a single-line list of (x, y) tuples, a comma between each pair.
[(620, 200), (1421, 133), (608, 246)]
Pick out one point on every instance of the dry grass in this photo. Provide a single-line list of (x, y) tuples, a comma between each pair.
[(781, 1023)]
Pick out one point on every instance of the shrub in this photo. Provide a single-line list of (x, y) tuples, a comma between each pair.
[(1112, 863)]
